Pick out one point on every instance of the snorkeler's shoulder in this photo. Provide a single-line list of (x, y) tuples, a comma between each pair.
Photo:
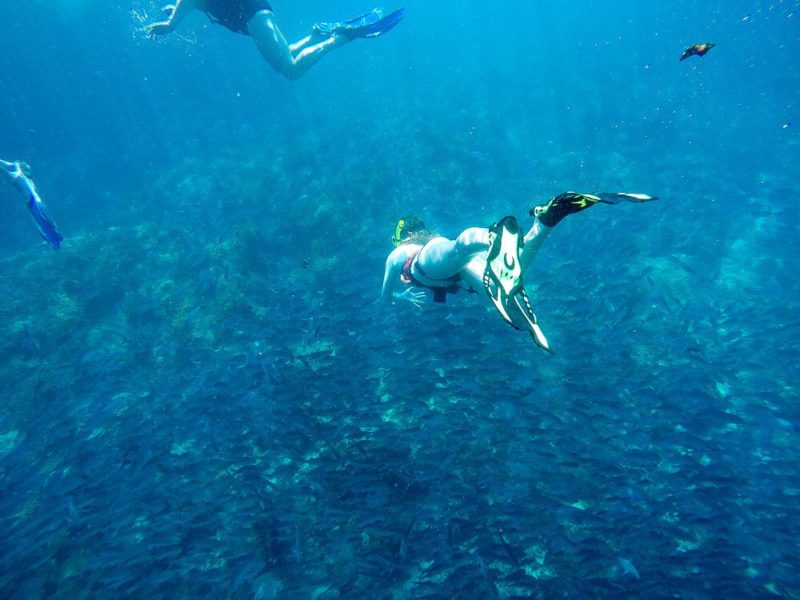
[(403, 252)]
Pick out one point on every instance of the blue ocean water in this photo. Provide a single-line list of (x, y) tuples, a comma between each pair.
[(200, 397)]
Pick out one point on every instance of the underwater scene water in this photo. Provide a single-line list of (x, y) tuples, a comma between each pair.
[(201, 397)]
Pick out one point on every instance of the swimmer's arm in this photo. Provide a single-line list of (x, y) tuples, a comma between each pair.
[(391, 278), (391, 275), (176, 14), (18, 171), (15, 169)]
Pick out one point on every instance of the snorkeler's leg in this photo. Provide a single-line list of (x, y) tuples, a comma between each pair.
[(308, 56), (270, 42), (312, 38), (472, 274), (532, 241), (442, 258), (552, 212), (302, 43), (276, 51)]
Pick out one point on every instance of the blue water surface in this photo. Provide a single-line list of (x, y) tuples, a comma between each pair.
[(201, 399)]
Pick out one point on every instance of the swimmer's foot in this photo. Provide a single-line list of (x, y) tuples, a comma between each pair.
[(551, 213), (371, 24)]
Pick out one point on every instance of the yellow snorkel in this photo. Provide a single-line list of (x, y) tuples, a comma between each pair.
[(398, 232), (407, 227)]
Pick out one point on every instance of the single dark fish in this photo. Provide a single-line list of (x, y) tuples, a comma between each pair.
[(507, 547), (487, 577), (696, 50), (626, 567)]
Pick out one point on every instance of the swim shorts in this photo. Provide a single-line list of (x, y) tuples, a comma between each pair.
[(234, 14)]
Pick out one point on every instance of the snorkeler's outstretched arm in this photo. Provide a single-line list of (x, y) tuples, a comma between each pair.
[(18, 170), (15, 168), (391, 275), (176, 12)]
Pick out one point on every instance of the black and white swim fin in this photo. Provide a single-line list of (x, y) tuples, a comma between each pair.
[(502, 279)]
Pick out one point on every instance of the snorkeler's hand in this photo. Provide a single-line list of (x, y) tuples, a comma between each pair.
[(156, 29), (16, 168), (162, 27), (411, 295)]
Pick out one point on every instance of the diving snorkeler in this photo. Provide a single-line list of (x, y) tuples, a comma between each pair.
[(257, 19), (494, 258), (696, 50), (20, 173)]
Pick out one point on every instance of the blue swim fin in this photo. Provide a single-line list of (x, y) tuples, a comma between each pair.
[(44, 222), (371, 24)]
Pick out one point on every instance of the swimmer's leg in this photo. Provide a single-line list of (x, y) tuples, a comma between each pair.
[(551, 213), (276, 51), (302, 43), (554, 210), (472, 274), (533, 241), (442, 258), (311, 39)]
